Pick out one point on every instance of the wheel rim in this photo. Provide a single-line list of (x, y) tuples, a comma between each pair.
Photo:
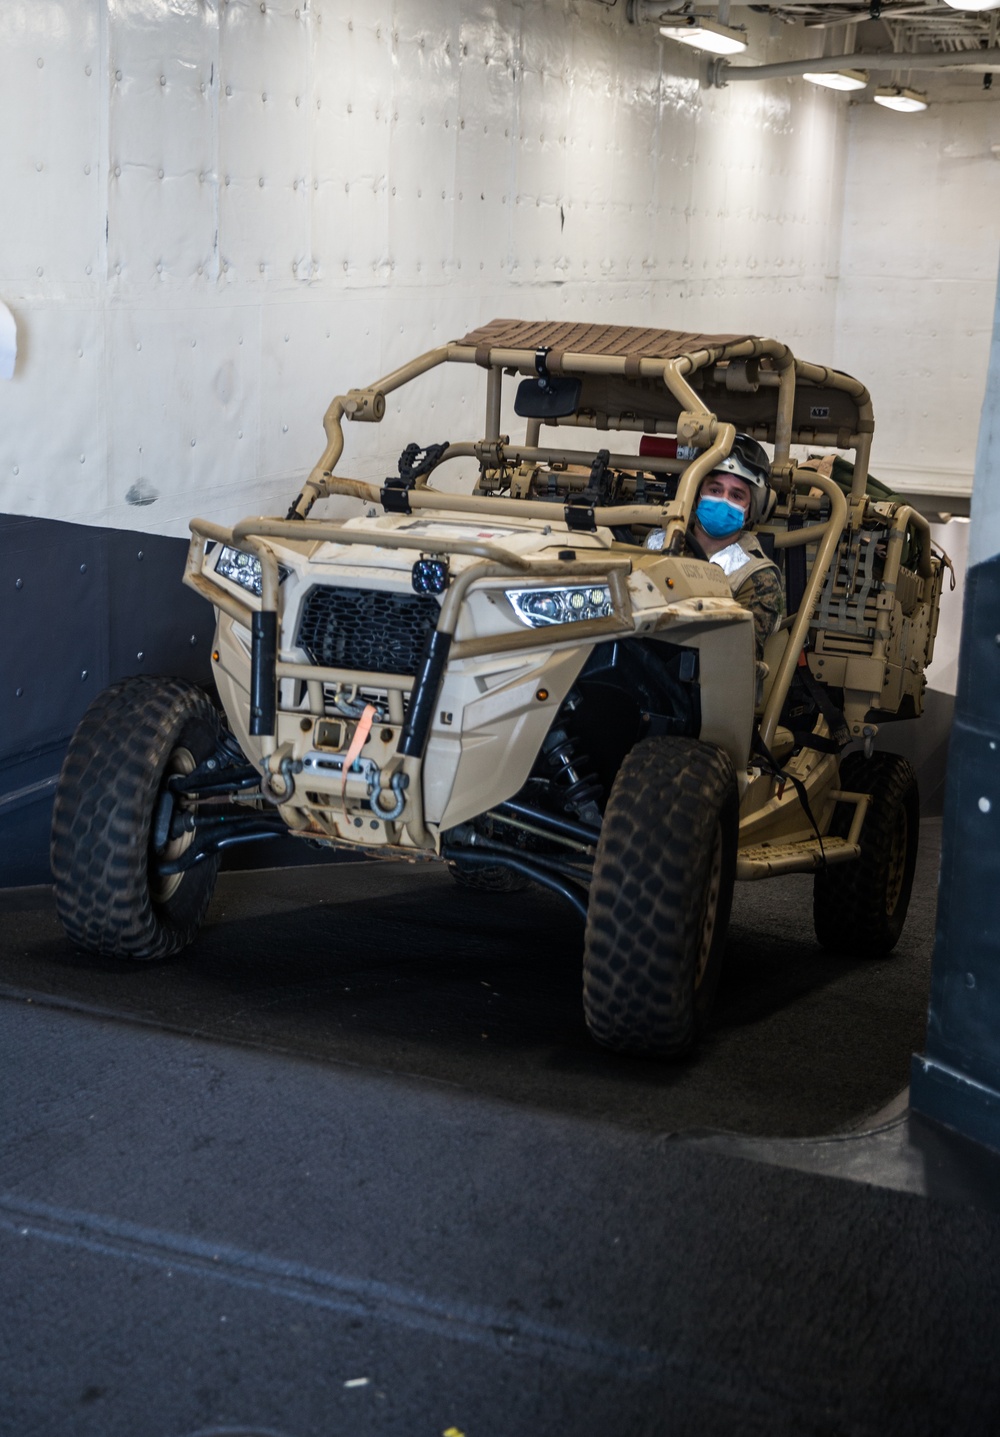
[(713, 889), (897, 863), (182, 761)]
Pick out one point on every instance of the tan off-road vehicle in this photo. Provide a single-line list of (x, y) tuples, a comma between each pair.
[(511, 681)]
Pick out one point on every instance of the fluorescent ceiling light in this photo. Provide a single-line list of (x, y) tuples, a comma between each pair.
[(708, 35), (973, 4), (838, 79), (905, 100)]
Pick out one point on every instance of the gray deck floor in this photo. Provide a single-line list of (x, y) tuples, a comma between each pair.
[(351, 1166), (392, 968)]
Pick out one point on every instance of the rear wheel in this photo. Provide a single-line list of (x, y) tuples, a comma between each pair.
[(861, 906), (134, 737), (660, 897)]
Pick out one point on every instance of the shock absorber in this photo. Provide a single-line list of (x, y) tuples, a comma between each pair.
[(571, 767)]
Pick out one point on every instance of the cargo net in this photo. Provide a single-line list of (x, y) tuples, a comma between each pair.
[(847, 611)]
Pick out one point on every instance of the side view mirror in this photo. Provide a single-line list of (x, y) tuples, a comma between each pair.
[(547, 397)]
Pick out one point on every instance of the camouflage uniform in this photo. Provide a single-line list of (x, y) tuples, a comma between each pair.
[(762, 595), (756, 584)]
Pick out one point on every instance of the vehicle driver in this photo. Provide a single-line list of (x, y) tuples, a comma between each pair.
[(731, 499)]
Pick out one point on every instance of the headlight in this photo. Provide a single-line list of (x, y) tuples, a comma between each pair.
[(240, 568), (537, 607), (244, 569)]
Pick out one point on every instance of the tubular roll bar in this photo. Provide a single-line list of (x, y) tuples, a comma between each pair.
[(696, 427), (696, 424), (359, 404)]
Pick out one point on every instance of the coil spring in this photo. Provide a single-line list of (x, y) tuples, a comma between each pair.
[(571, 767)]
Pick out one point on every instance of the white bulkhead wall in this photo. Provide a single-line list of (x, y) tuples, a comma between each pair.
[(219, 213), (921, 241)]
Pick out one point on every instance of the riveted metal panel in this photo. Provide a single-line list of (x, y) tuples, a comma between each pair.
[(921, 217), (162, 186), (80, 607), (53, 613), (53, 430), (263, 136), (51, 79), (198, 369)]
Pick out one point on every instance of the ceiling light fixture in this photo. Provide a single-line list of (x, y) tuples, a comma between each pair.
[(838, 79), (708, 35), (905, 100), (972, 5)]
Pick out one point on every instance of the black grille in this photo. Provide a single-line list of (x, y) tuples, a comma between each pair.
[(366, 629)]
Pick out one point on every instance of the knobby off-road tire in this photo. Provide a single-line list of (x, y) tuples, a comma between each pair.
[(660, 897), (492, 879), (860, 907), (133, 737)]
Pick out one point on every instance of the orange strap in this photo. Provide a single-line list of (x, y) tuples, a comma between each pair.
[(361, 733)]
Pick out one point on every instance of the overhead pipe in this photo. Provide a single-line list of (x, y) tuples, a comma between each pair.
[(721, 71), (647, 12)]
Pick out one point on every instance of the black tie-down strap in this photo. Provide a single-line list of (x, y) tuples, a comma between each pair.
[(771, 765), (413, 462), (795, 568), (596, 491), (579, 508), (840, 734)]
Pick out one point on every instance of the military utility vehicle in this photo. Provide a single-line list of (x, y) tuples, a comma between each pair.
[(520, 682)]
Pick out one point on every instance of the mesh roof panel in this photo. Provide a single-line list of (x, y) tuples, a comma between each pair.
[(620, 340)]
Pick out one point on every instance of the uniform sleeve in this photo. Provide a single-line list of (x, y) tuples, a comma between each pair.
[(761, 594)]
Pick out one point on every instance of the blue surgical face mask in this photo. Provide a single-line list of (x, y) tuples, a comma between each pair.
[(720, 518)]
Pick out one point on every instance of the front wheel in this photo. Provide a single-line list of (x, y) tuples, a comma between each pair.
[(860, 907), (134, 737), (660, 897)]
